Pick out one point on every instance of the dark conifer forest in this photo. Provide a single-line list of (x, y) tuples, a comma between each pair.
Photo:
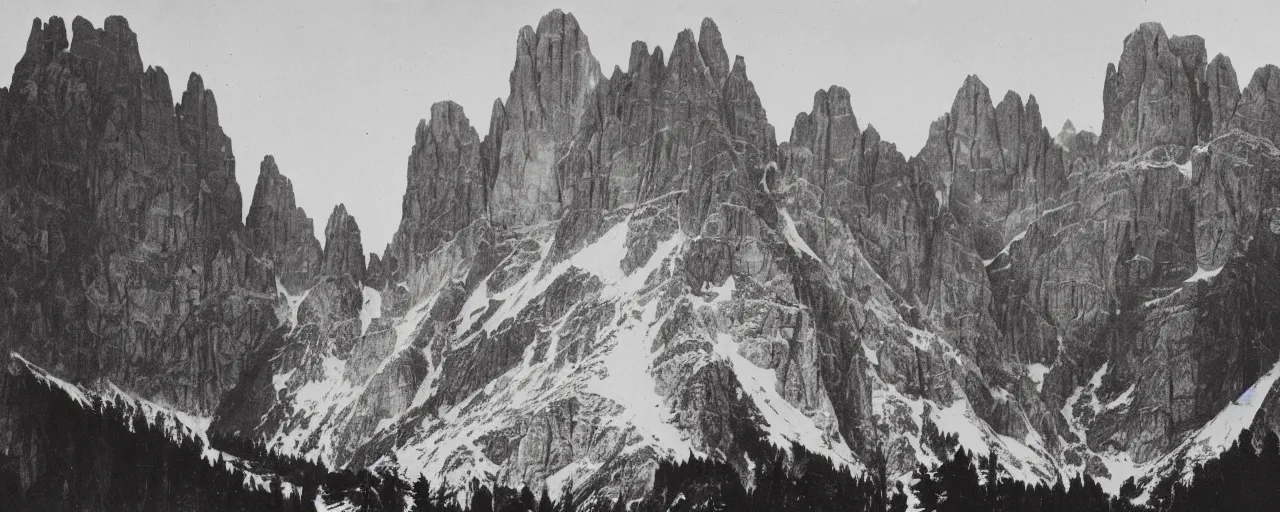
[(107, 455)]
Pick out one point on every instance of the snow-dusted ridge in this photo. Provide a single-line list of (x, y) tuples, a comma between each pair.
[(176, 424)]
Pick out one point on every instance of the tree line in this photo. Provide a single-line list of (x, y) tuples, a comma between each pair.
[(95, 454), (108, 455)]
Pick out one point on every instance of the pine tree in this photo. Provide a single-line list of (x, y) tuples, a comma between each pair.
[(992, 473), (926, 489), (482, 500), (1268, 472), (899, 501), (544, 504), (277, 493), (960, 483), (527, 501), (422, 495), (390, 491)]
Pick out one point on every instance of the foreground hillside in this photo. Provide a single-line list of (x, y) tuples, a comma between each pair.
[(121, 453)]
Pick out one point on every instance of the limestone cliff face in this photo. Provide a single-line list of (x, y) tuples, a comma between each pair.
[(281, 231), (1224, 92), (448, 191), (630, 268), (1259, 109), (125, 257), (1155, 95), (553, 78)]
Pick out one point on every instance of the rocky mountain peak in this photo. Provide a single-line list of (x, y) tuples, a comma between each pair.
[(1223, 92), (687, 71), (1190, 49), (1155, 95), (281, 232), (657, 67), (965, 139), (1066, 136), (972, 110), (830, 130), (199, 105), (995, 161), (45, 41), (553, 76), (1259, 109), (136, 199), (343, 253), (746, 115), (639, 57), (711, 48), (205, 142), (447, 120), (447, 187), (114, 45), (450, 177)]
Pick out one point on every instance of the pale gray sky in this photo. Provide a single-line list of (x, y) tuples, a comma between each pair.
[(334, 90)]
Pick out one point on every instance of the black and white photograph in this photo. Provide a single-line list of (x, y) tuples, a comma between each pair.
[(648, 256)]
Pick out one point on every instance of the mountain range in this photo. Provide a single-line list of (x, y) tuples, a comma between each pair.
[(632, 268)]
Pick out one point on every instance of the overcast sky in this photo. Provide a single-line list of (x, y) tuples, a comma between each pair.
[(335, 91)]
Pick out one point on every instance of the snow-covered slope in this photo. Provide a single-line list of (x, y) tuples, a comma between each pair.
[(178, 425)]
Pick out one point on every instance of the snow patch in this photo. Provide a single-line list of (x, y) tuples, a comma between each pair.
[(1203, 275), (292, 301), (409, 324), (722, 293), (793, 237), (317, 399), (514, 299), (1069, 408), (1005, 250), (764, 176), (1119, 464), (1123, 400), (1158, 300), (1185, 168), (785, 423), (960, 420), (627, 383), (871, 355), (1021, 455), (577, 471), (1057, 209), (281, 380), (70, 389), (1037, 372), (603, 259), (475, 305), (1217, 435)]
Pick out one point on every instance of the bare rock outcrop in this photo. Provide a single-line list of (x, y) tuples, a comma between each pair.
[(1259, 109), (552, 81), (1155, 95), (125, 257), (281, 231)]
